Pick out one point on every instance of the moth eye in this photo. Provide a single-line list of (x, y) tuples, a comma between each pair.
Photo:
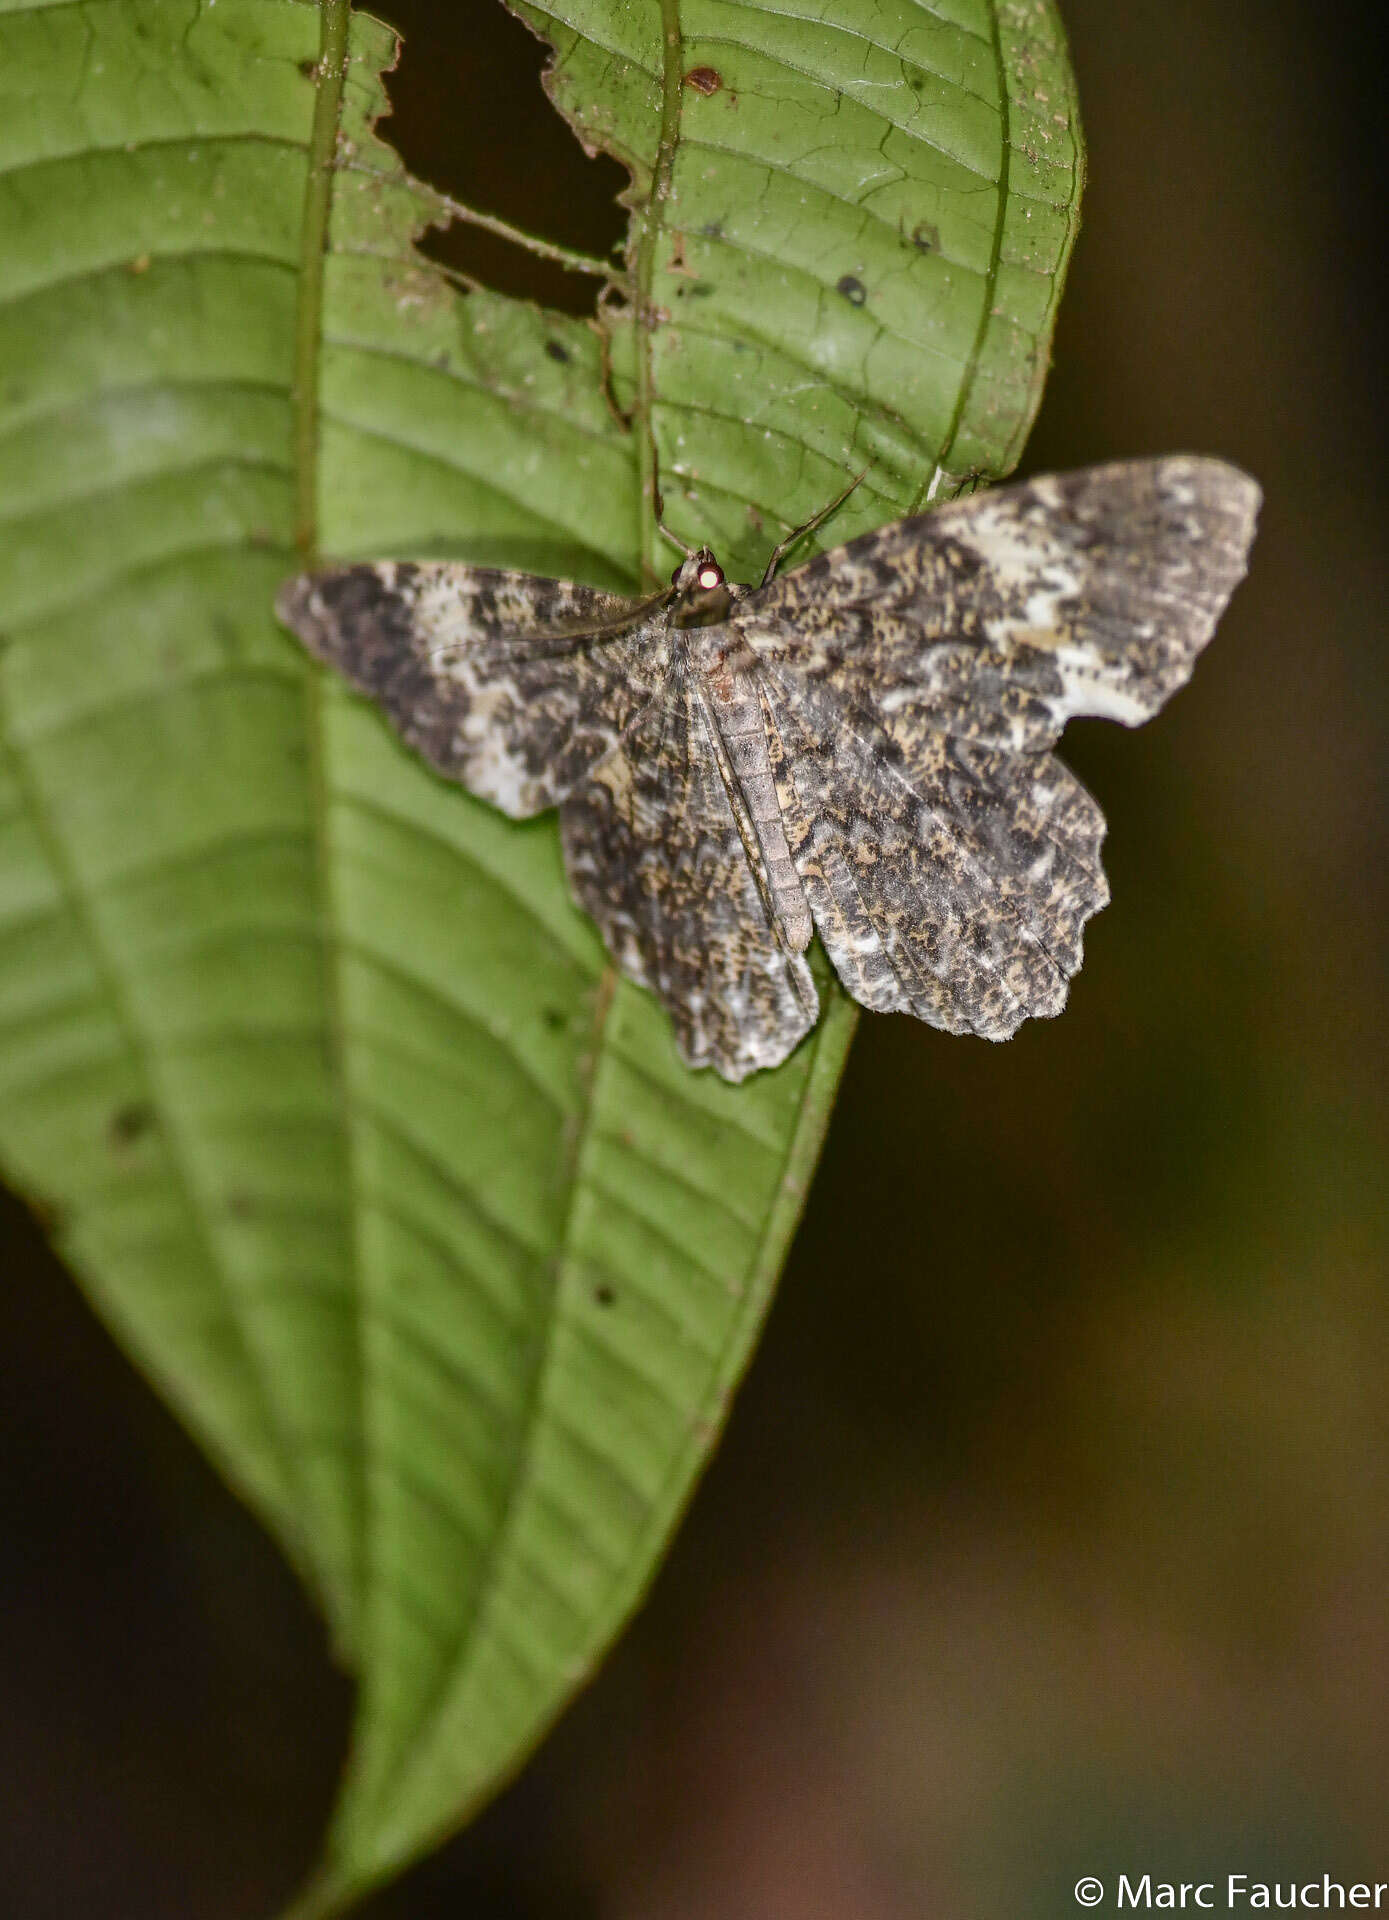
[(710, 577)]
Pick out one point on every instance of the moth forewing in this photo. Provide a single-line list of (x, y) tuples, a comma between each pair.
[(999, 617), (514, 686), (1113, 578)]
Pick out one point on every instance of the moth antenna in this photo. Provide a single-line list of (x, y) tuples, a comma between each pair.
[(675, 541), (810, 525)]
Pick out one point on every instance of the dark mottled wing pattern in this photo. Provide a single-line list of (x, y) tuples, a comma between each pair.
[(515, 686), (998, 618), (916, 679), (953, 883), (910, 685), (654, 853)]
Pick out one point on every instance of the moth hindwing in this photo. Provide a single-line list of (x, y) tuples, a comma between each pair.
[(860, 747)]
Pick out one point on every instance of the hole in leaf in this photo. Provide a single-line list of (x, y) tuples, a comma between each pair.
[(468, 114)]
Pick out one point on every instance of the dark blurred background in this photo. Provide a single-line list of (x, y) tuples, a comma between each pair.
[(1049, 1536)]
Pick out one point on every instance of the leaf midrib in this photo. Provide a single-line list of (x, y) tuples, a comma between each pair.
[(308, 340), (309, 413), (522, 1467), (652, 226), (828, 1043), (926, 491)]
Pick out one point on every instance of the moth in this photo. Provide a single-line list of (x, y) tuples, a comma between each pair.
[(860, 747)]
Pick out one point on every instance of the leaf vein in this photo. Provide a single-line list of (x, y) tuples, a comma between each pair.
[(75, 502), (19, 420), (94, 151)]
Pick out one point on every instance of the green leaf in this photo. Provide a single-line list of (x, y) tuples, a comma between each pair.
[(411, 1211)]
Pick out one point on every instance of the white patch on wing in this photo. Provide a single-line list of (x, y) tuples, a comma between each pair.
[(1025, 564), (498, 775), (1015, 551), (1090, 688)]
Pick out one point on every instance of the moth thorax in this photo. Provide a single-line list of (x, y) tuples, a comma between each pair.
[(722, 655)]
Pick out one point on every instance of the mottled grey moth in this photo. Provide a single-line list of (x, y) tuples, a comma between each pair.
[(860, 747)]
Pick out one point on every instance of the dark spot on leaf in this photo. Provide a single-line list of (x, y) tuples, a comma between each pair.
[(853, 290), (712, 229), (554, 1019), (131, 1122), (240, 1205), (704, 80), (309, 68), (925, 237), (230, 636), (698, 289), (557, 352), (604, 1294)]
